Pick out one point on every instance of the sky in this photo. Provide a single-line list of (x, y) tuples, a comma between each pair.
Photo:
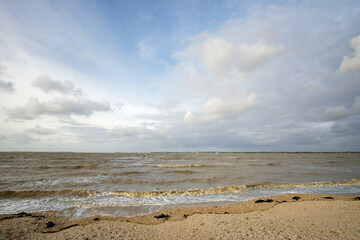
[(191, 75)]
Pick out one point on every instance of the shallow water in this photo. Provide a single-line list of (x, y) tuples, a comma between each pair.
[(129, 184)]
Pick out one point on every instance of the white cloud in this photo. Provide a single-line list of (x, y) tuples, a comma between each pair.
[(141, 131), (254, 55), (189, 117), (352, 63), (217, 54), (218, 70), (227, 108), (225, 59), (285, 54), (145, 50), (166, 128), (222, 108), (58, 106), (46, 84)]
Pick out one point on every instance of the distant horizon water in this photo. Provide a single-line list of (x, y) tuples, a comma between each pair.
[(144, 152)]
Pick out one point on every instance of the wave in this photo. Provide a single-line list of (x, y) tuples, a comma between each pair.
[(68, 167), (182, 171), (261, 165), (187, 180), (180, 166), (123, 181), (82, 167), (39, 194), (175, 192), (233, 188), (131, 172), (69, 158)]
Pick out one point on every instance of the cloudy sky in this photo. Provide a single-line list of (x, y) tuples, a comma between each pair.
[(192, 75)]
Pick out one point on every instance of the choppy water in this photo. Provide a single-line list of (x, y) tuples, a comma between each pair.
[(129, 184)]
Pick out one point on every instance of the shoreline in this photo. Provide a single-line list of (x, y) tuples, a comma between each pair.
[(50, 225), (122, 204)]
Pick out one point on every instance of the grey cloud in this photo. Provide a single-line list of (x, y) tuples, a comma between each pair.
[(347, 127), (301, 91), (116, 138), (163, 116), (117, 132), (6, 86), (2, 69), (336, 113), (346, 132), (23, 138), (340, 112), (58, 106), (40, 130), (2, 137), (154, 117), (85, 133), (46, 84), (352, 63), (119, 106)]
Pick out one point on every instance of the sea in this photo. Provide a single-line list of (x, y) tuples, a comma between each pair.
[(80, 185)]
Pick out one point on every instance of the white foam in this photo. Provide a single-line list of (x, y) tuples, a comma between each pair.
[(144, 205)]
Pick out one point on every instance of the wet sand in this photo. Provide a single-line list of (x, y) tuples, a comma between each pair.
[(290, 216)]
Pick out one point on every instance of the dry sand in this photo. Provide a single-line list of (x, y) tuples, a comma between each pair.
[(311, 216)]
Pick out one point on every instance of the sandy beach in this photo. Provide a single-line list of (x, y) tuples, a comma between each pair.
[(290, 216)]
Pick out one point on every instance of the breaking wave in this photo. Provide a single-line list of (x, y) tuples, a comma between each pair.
[(232, 188), (174, 192)]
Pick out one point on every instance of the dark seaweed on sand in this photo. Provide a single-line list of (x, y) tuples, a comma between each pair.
[(262, 201), (162, 216)]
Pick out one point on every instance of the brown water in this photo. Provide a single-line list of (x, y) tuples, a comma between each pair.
[(65, 181)]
